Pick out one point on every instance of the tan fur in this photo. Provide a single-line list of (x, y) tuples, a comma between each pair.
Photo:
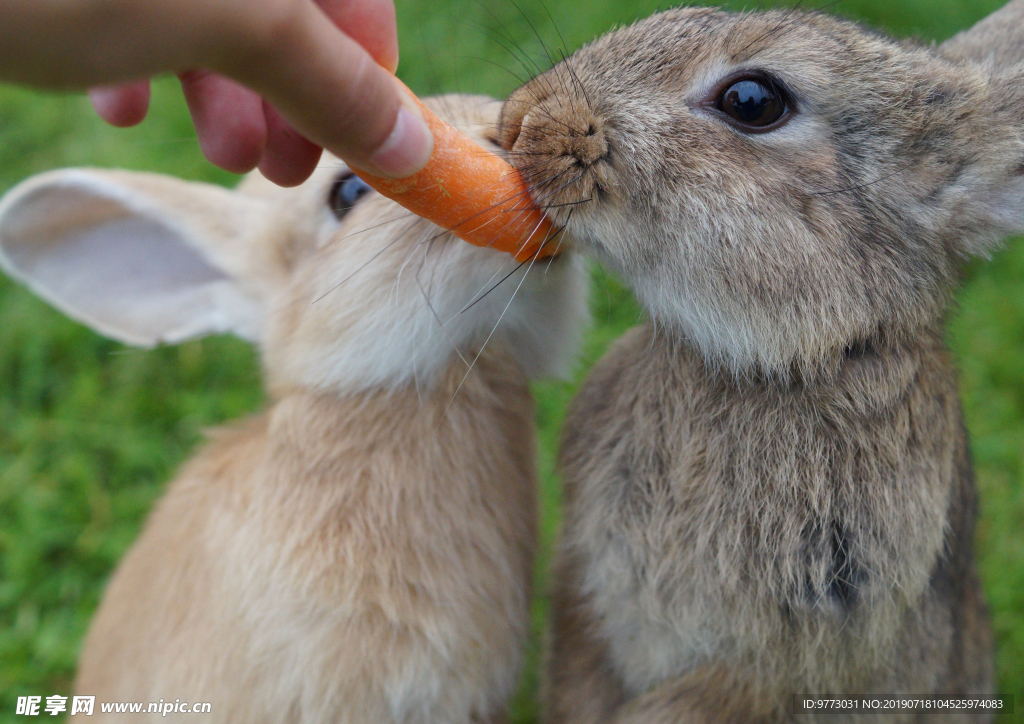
[(361, 552), (362, 559), (769, 494)]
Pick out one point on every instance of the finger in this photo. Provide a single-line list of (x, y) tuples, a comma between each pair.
[(228, 118), (334, 94), (288, 159), (371, 23), (121, 105)]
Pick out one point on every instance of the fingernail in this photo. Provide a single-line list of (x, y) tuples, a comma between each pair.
[(407, 149)]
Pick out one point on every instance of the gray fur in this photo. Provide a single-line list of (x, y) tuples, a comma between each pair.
[(768, 486)]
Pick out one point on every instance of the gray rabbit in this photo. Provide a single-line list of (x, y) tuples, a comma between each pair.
[(768, 485)]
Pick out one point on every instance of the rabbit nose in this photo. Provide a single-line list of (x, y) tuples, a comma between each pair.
[(588, 147), (561, 130), (562, 125), (560, 145)]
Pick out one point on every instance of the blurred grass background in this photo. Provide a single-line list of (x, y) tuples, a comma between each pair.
[(90, 431)]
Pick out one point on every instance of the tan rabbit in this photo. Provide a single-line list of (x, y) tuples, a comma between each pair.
[(768, 485), (362, 551)]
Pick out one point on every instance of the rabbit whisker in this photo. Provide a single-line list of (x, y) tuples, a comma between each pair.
[(536, 201), (545, 207), (403, 217), (512, 42), (493, 330), (496, 64), (576, 78), (865, 185), (774, 31), (491, 279), (520, 210), (547, 52), (560, 233), (484, 286), (561, 237), (368, 261), (430, 306), (427, 241)]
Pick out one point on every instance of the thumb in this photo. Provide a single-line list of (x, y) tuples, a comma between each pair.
[(330, 89)]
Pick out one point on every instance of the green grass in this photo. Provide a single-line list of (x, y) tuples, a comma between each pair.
[(90, 432)]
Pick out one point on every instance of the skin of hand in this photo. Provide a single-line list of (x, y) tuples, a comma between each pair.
[(260, 76)]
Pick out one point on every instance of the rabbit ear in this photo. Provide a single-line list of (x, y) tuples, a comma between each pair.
[(998, 39), (139, 258)]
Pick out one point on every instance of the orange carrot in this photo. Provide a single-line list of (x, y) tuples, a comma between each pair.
[(473, 193)]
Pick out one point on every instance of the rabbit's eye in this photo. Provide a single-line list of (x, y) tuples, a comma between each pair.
[(345, 192), (756, 104)]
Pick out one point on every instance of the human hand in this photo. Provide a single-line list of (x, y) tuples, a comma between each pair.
[(265, 69)]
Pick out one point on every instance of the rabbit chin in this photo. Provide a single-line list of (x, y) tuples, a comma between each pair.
[(406, 318), (746, 340)]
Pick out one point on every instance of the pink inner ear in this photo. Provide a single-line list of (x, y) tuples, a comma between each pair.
[(127, 274)]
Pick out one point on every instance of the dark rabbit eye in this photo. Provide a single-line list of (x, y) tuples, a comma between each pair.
[(756, 104), (345, 192)]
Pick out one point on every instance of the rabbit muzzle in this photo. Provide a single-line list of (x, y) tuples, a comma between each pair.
[(559, 144)]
